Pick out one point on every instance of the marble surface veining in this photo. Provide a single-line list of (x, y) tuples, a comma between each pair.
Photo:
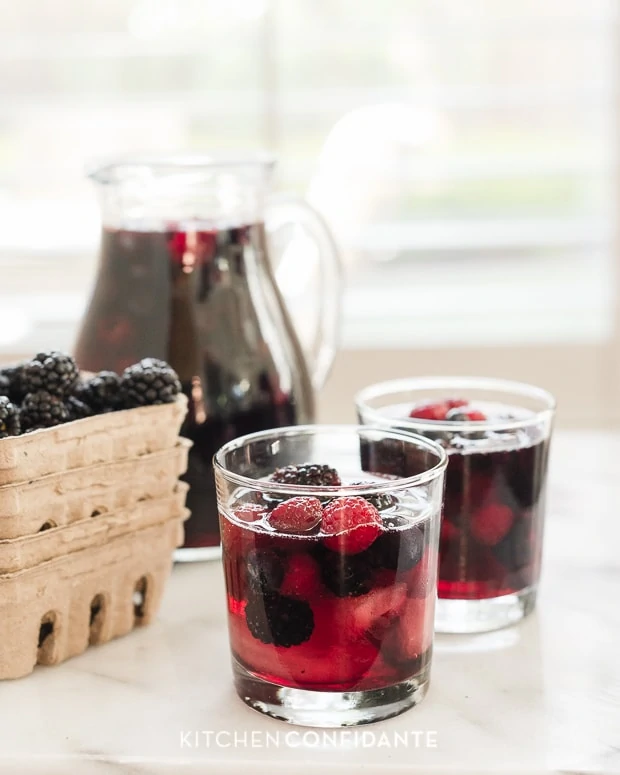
[(542, 697)]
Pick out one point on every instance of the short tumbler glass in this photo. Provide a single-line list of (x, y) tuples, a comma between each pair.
[(491, 534), (331, 588)]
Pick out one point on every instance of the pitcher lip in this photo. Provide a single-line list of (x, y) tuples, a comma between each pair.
[(102, 170)]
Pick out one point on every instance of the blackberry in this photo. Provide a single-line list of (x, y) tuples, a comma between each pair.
[(398, 549), (9, 418), (381, 501), (101, 392), (54, 372), (5, 384), (11, 382), (278, 619), (42, 410), (76, 409), (147, 383), (346, 575), (386, 456), (515, 551), (310, 474), (465, 416), (264, 570), (270, 501)]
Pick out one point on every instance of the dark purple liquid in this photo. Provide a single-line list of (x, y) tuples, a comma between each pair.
[(205, 301), (478, 557)]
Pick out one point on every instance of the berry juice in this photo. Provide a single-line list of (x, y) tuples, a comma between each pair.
[(327, 613), (201, 297), (491, 533)]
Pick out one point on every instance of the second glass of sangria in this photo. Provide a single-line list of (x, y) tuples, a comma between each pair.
[(497, 437)]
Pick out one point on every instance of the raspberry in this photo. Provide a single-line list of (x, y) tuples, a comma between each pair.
[(449, 531), (308, 474), (302, 577), (436, 410), (296, 515), (491, 523), (352, 524)]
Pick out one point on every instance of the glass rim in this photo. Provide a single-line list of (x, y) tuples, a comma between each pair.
[(100, 170), (438, 383), (388, 485)]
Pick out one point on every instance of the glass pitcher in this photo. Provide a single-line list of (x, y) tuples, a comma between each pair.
[(185, 275)]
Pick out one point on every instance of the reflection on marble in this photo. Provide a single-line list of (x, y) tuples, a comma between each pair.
[(537, 698)]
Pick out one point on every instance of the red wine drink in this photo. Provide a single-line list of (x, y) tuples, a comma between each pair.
[(497, 436)]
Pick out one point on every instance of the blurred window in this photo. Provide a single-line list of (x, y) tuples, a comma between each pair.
[(462, 149)]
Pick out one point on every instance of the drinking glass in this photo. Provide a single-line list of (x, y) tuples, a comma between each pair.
[(492, 528), (330, 588)]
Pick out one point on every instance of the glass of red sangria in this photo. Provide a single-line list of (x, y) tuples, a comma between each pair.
[(330, 537), (497, 436)]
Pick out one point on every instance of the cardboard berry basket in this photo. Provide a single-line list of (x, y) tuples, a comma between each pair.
[(57, 609), (90, 514), (62, 498), (100, 439)]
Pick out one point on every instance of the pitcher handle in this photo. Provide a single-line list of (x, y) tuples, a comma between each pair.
[(284, 210)]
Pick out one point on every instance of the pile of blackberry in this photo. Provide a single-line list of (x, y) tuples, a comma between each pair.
[(48, 390)]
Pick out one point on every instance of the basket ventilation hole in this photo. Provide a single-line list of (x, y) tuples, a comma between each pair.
[(97, 614), (49, 525), (139, 598), (45, 644)]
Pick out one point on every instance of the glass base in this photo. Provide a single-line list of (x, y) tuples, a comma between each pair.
[(464, 616), (197, 554), (328, 709)]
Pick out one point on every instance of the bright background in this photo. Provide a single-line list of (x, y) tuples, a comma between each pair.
[(465, 152)]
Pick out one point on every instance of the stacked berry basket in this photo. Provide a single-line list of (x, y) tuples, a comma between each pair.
[(91, 507)]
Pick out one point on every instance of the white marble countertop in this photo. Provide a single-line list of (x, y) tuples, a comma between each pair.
[(538, 698)]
